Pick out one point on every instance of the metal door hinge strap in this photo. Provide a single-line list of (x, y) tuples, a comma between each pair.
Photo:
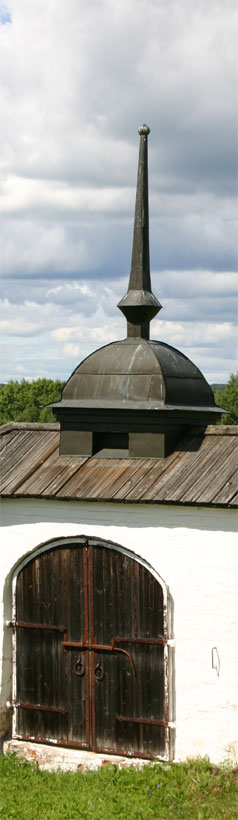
[(37, 707), (29, 625), (97, 647), (152, 641), (143, 721)]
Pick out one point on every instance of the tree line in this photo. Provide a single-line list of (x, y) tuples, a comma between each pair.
[(25, 401)]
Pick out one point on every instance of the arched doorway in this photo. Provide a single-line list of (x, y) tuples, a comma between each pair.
[(91, 640)]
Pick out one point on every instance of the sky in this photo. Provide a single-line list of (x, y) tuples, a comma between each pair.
[(77, 78)]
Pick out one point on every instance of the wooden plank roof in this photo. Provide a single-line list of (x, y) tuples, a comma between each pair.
[(202, 470)]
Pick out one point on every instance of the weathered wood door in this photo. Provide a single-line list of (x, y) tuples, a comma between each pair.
[(90, 651)]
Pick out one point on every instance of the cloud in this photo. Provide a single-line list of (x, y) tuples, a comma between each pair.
[(37, 196), (70, 350), (194, 335), (64, 332), (74, 86)]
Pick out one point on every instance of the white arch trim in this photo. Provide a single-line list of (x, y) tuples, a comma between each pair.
[(80, 539)]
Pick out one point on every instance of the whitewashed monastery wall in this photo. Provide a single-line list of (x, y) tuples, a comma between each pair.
[(194, 550)]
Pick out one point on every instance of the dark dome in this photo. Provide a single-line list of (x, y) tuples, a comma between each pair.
[(138, 371), (135, 397)]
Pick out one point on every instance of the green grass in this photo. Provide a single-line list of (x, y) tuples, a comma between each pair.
[(195, 790)]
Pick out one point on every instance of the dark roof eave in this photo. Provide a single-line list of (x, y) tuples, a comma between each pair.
[(129, 404), (155, 501)]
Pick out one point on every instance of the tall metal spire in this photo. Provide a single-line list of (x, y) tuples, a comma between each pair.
[(139, 304)]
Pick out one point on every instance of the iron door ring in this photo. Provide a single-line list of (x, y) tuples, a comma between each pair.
[(79, 667), (99, 671)]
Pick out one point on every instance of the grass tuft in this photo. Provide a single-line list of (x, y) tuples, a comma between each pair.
[(194, 790)]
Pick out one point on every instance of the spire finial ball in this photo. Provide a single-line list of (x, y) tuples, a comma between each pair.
[(144, 130)]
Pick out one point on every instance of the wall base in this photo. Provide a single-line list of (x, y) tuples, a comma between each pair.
[(54, 758)]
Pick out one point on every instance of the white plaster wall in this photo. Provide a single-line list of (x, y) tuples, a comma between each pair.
[(194, 550)]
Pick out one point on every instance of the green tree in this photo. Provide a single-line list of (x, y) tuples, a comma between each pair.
[(228, 399), (24, 401)]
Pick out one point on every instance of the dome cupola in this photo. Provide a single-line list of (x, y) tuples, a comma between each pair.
[(135, 397)]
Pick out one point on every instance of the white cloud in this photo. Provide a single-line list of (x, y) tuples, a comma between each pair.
[(71, 287), (75, 82), (62, 334), (70, 350), (19, 195), (99, 335), (192, 334), (198, 283)]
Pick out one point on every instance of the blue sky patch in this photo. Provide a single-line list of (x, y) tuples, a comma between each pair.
[(5, 16)]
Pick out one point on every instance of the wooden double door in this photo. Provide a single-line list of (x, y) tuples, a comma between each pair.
[(90, 651)]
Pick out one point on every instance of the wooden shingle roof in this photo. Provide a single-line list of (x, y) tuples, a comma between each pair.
[(202, 470)]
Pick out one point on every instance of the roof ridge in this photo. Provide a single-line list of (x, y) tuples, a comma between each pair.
[(29, 425), (221, 430)]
